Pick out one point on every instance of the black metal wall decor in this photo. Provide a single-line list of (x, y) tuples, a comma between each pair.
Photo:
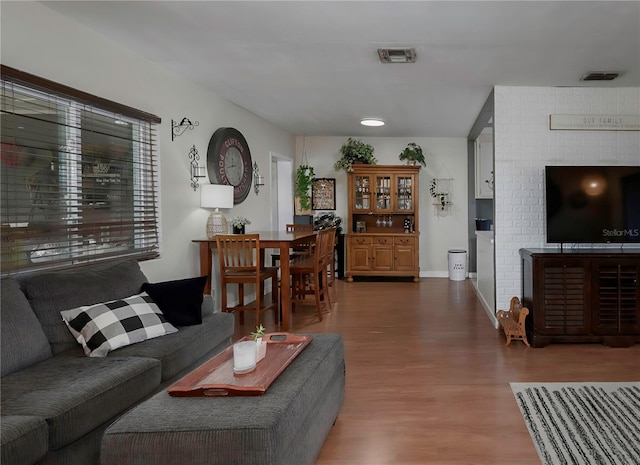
[(177, 129), (197, 171)]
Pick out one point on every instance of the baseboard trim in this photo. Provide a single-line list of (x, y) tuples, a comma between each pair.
[(488, 310), (442, 274)]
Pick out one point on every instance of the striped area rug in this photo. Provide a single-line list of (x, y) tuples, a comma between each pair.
[(582, 423)]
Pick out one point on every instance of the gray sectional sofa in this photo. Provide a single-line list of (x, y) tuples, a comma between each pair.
[(56, 401)]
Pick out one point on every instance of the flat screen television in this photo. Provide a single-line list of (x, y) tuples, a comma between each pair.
[(592, 204)]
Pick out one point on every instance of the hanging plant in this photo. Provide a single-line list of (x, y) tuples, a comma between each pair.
[(304, 179), (433, 188), (442, 195)]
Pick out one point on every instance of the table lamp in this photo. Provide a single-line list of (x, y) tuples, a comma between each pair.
[(216, 196)]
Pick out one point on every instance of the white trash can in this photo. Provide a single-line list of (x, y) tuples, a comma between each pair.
[(457, 264)]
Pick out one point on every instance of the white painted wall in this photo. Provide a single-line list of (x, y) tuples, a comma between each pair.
[(437, 234), (524, 145), (39, 41)]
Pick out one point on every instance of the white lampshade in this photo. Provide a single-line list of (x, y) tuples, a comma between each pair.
[(216, 196)]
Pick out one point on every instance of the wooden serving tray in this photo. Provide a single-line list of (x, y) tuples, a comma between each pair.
[(216, 377)]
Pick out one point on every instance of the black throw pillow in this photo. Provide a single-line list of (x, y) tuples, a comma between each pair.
[(180, 301)]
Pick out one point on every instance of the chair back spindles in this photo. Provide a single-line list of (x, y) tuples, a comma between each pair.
[(310, 273), (239, 251), (239, 257)]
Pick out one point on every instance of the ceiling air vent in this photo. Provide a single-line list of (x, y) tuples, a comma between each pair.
[(599, 76), (397, 55)]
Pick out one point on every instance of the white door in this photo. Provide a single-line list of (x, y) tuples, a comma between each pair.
[(282, 201)]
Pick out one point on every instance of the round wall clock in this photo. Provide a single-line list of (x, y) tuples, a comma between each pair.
[(229, 162)]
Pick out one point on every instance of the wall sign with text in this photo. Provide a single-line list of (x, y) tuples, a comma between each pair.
[(323, 194), (595, 122)]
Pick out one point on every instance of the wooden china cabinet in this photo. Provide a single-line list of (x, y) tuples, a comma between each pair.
[(382, 238)]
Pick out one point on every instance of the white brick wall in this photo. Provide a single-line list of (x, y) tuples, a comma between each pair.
[(524, 145)]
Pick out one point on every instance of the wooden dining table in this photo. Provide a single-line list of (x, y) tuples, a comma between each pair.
[(281, 240)]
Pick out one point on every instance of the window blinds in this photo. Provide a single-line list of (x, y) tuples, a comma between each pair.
[(78, 176)]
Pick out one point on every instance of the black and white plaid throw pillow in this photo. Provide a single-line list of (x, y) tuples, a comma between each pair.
[(106, 326)]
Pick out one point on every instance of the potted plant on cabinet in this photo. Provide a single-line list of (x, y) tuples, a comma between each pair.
[(412, 154), (304, 179), (238, 223), (354, 151)]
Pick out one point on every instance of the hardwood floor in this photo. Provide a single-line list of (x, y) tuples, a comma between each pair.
[(427, 378)]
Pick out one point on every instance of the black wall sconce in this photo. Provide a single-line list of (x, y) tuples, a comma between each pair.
[(258, 179), (197, 171), (177, 129)]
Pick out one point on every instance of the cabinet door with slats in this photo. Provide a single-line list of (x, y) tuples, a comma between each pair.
[(565, 306), (616, 296)]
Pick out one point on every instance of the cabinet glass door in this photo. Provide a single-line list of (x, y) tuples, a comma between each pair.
[(404, 192), (362, 193), (382, 193)]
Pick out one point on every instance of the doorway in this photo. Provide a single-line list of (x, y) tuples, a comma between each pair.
[(282, 194)]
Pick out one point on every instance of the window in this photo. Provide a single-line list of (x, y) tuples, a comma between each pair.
[(78, 176)]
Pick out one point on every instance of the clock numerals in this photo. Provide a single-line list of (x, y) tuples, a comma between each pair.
[(233, 166)]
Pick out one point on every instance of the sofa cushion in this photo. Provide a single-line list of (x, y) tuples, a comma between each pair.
[(51, 293), (22, 341), (76, 394), (207, 305), (179, 300), (23, 439), (104, 327), (180, 350)]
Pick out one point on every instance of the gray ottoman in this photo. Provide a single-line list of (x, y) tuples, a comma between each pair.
[(287, 425)]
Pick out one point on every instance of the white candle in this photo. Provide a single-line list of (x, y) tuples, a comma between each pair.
[(244, 356)]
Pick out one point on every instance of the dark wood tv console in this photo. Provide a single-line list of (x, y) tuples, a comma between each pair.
[(582, 295)]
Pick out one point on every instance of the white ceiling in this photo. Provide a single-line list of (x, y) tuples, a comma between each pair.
[(312, 67)]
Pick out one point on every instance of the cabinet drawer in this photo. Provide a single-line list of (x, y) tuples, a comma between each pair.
[(400, 240), (383, 240), (360, 240)]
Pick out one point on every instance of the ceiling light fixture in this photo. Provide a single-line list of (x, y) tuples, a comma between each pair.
[(372, 122)]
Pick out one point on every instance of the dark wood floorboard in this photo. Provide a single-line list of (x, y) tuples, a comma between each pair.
[(428, 375)]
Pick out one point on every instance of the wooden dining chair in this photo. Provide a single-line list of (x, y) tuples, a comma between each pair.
[(240, 263), (309, 273), (299, 250)]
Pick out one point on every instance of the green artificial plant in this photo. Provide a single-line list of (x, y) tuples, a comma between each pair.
[(304, 179), (413, 153), (259, 332), (354, 150)]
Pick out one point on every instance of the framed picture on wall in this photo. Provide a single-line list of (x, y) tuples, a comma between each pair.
[(323, 194)]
